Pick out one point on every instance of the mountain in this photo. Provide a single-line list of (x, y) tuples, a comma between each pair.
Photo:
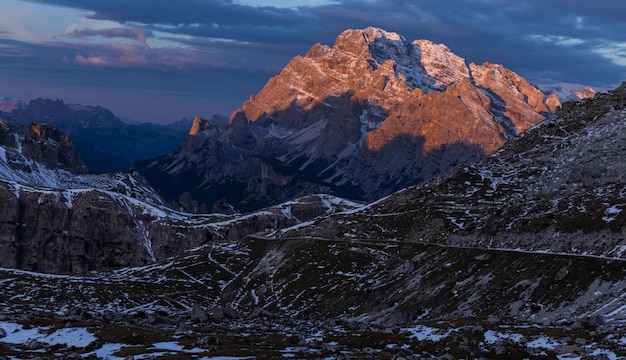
[(585, 93), (553, 197), (518, 255), (366, 117), (556, 188), (55, 217), (562, 93), (7, 104), (565, 94), (106, 142), (38, 145)]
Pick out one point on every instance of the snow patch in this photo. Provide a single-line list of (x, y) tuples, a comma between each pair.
[(611, 213), (492, 337), (70, 337), (107, 351), (18, 141), (421, 333), (543, 342)]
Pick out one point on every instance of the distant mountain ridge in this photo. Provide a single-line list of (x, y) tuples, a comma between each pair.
[(7, 104), (366, 117), (106, 142), (568, 95)]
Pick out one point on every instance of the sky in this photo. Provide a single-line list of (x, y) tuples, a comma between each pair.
[(161, 60)]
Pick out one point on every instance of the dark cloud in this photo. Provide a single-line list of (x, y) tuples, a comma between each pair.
[(228, 50), (185, 12), (140, 35)]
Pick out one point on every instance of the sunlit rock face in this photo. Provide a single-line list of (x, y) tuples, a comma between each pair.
[(585, 93), (361, 119)]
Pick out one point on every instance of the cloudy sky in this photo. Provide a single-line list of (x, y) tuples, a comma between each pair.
[(160, 60)]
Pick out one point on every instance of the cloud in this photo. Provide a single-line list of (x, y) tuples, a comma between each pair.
[(184, 12), (90, 60), (613, 50), (137, 34), (141, 83), (558, 40)]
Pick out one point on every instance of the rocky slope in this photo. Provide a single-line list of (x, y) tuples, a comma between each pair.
[(106, 143), (54, 217), (363, 118), (39, 145), (558, 188)]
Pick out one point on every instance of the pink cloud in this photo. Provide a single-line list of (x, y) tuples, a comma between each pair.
[(90, 60), (118, 55)]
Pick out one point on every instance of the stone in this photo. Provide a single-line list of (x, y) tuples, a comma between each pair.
[(217, 313), (198, 314), (230, 313)]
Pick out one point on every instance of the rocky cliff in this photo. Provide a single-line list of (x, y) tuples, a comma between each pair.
[(363, 118), (40, 144)]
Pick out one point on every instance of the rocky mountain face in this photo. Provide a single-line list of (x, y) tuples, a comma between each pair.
[(558, 188), (39, 144), (105, 142), (361, 119)]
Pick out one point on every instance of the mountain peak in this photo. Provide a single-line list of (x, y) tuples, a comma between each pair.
[(586, 93), (7, 104), (357, 41), (198, 125), (424, 64), (565, 94)]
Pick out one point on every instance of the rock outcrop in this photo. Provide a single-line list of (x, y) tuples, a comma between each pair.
[(361, 119), (41, 144)]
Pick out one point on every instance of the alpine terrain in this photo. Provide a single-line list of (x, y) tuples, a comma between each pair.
[(519, 255), (56, 218), (366, 117)]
